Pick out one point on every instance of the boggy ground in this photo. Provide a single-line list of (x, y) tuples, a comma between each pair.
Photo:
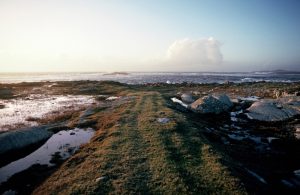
[(132, 152)]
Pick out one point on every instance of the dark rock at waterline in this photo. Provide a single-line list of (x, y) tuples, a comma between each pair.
[(5, 93), (2, 106), (212, 104), (14, 140), (57, 128), (84, 121), (271, 111)]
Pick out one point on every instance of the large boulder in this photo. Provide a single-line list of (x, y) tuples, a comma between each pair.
[(271, 111), (212, 104), (187, 98), (225, 100)]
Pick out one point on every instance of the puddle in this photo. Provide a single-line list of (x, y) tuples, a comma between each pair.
[(64, 142), (24, 111)]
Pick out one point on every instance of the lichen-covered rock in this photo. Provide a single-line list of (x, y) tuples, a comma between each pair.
[(225, 100), (187, 98), (271, 111), (212, 104)]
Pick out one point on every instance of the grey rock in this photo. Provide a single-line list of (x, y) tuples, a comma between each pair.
[(269, 111), (101, 178), (212, 104), (22, 138), (9, 192), (225, 100), (163, 120), (187, 98)]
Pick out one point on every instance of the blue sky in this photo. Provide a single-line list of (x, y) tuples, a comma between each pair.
[(152, 35)]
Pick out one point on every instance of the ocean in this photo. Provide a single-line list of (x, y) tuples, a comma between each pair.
[(155, 77)]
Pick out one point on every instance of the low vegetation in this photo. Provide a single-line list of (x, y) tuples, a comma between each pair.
[(133, 153)]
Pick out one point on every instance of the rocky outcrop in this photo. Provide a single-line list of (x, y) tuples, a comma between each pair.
[(212, 104), (22, 138), (271, 111)]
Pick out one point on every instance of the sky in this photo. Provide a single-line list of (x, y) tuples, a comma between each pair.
[(149, 35)]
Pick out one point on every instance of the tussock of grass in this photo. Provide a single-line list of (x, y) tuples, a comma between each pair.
[(137, 154)]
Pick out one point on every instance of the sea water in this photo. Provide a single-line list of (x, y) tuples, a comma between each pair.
[(156, 77)]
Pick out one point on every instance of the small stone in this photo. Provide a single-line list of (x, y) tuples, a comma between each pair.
[(112, 98), (100, 178), (270, 139), (72, 133), (163, 120)]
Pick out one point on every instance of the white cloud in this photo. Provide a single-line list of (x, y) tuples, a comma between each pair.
[(197, 53)]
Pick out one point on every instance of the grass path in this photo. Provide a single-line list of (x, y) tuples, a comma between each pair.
[(132, 153)]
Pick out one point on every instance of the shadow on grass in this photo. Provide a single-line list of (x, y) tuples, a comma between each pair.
[(178, 158)]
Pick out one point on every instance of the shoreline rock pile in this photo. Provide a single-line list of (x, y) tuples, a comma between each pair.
[(254, 108)]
